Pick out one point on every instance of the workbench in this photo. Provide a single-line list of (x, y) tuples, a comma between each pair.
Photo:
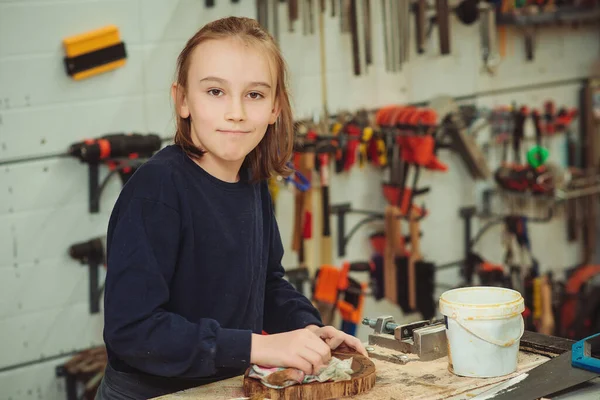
[(429, 380)]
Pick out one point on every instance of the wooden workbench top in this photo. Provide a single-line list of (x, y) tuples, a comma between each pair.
[(414, 380)]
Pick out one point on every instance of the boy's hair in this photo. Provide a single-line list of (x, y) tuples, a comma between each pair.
[(274, 150)]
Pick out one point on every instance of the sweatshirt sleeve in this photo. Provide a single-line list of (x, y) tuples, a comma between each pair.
[(285, 308), (141, 259)]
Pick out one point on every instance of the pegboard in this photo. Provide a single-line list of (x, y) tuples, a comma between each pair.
[(44, 307)]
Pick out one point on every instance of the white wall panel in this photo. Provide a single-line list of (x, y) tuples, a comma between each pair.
[(559, 54), (306, 96), (8, 242), (50, 129), (34, 80), (164, 20), (160, 112), (298, 55), (160, 61), (48, 332), (40, 286), (37, 382), (432, 74), (56, 20), (48, 185), (566, 94), (34, 232)]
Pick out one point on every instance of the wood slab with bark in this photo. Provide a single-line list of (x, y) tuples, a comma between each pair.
[(363, 379)]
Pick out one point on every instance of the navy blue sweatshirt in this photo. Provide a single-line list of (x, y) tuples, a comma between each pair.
[(193, 269)]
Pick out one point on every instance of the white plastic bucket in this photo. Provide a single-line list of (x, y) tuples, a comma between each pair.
[(484, 328)]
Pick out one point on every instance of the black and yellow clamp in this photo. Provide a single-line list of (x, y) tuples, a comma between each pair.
[(95, 52)]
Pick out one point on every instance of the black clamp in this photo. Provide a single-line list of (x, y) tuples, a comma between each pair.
[(91, 253)]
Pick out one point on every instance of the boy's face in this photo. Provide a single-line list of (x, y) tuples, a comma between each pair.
[(230, 98)]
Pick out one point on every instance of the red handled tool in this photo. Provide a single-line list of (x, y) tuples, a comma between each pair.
[(120, 151), (353, 295)]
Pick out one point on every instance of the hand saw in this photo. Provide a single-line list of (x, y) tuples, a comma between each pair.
[(580, 364)]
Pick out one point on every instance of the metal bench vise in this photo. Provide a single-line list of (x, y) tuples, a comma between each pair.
[(426, 339)]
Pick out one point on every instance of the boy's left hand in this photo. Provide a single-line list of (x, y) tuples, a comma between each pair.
[(334, 337)]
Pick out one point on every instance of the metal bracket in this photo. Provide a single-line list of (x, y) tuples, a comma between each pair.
[(344, 208), (70, 382), (94, 187)]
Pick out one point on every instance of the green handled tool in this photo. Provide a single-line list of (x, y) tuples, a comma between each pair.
[(579, 365), (537, 155)]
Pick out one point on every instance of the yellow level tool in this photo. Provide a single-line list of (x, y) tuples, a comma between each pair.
[(95, 52)]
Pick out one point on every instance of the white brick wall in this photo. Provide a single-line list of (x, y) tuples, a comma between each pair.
[(43, 204)]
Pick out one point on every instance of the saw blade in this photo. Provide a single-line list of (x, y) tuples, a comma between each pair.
[(550, 377)]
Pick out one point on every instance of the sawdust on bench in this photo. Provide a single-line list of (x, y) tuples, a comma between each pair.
[(415, 380), (432, 380)]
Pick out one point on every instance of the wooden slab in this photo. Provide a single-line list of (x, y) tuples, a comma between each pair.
[(363, 379)]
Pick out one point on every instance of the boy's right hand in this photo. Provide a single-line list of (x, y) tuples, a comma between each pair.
[(300, 349)]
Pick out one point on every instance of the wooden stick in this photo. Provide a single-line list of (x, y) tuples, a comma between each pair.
[(415, 256), (326, 251), (547, 320), (308, 165), (389, 262)]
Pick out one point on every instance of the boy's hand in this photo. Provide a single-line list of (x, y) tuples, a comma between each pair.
[(334, 337), (300, 349)]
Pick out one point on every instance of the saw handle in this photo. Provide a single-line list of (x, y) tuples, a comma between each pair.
[(585, 353)]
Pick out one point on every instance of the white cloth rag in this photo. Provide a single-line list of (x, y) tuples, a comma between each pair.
[(279, 377)]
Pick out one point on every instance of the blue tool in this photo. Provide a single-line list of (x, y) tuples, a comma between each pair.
[(298, 179), (586, 354)]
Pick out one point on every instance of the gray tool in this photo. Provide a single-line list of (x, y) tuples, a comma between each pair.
[(560, 373), (304, 10), (292, 14), (442, 16), (311, 16), (426, 339), (385, 13), (262, 13), (420, 24), (394, 26), (345, 16), (406, 13), (489, 49), (354, 35), (366, 12), (275, 18)]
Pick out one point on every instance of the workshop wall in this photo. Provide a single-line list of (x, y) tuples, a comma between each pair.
[(44, 300)]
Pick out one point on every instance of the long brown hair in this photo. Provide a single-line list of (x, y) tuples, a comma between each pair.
[(273, 152)]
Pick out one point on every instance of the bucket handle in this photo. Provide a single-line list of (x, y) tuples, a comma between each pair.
[(488, 339)]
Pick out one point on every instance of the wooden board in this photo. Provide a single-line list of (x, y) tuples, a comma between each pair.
[(415, 380), (363, 379)]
